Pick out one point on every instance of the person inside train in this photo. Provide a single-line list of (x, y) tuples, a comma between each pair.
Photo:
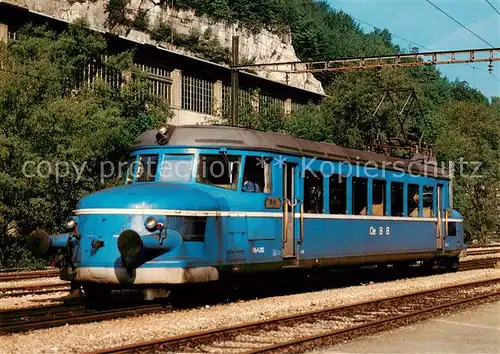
[(250, 186)]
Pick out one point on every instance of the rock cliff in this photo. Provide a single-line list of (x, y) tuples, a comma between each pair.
[(254, 47)]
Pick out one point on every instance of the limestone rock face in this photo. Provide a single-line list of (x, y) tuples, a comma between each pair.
[(262, 47)]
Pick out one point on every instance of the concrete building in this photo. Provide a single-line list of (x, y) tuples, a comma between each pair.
[(197, 90)]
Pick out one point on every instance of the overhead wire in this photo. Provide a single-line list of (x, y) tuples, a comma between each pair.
[(421, 45), (461, 24), (493, 7)]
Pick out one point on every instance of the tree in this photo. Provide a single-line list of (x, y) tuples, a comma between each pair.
[(56, 128), (470, 137)]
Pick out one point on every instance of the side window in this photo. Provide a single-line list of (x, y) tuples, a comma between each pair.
[(413, 200), (452, 228), (338, 194), (313, 192), (428, 202), (219, 170), (359, 195), (257, 174), (146, 168), (378, 197), (397, 199)]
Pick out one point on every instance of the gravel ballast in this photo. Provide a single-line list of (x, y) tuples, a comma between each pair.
[(92, 336), (18, 302)]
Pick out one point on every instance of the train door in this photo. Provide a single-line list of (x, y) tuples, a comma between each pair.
[(440, 218), (289, 206)]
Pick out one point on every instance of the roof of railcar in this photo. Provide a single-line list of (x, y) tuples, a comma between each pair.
[(201, 136)]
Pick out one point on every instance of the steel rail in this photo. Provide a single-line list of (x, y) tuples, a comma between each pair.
[(370, 324), (57, 321), (206, 334), (28, 275), (33, 290)]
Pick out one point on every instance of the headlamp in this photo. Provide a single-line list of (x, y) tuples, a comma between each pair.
[(150, 224), (70, 223)]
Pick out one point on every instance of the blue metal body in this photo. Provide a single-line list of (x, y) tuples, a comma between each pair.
[(241, 234)]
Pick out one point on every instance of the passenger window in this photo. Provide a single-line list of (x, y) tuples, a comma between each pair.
[(428, 196), (219, 170), (257, 174), (397, 199), (146, 168), (413, 200), (359, 195), (378, 198), (338, 194), (313, 192), (176, 168)]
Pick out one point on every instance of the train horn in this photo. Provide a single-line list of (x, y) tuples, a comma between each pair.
[(39, 242), (131, 244)]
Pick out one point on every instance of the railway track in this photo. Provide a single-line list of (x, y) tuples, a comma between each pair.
[(33, 290), (28, 275), (48, 289), (478, 264), (59, 315), (297, 332)]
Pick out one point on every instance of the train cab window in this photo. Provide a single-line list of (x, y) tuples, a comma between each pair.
[(413, 198), (257, 174), (359, 195), (146, 168), (219, 170), (428, 196), (378, 197), (313, 192), (397, 196), (338, 194), (176, 168)]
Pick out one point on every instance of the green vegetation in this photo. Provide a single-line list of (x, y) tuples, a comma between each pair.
[(49, 112), (458, 122), (204, 46)]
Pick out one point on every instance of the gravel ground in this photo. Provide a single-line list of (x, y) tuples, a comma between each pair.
[(31, 282), (482, 256), (92, 336), (10, 303)]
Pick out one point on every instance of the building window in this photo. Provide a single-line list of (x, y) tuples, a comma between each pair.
[(257, 174), (359, 195), (397, 199), (158, 80), (313, 192), (197, 95), (269, 103), (428, 202), (219, 170), (413, 200), (378, 197), (338, 194), (245, 98)]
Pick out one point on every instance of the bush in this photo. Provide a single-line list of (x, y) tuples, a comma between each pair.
[(49, 115), (14, 254)]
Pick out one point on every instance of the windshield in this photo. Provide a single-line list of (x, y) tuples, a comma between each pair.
[(145, 169), (176, 168), (219, 170)]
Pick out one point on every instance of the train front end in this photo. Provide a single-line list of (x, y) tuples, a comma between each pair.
[(149, 232)]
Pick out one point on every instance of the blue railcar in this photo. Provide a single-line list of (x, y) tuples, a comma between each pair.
[(201, 202)]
